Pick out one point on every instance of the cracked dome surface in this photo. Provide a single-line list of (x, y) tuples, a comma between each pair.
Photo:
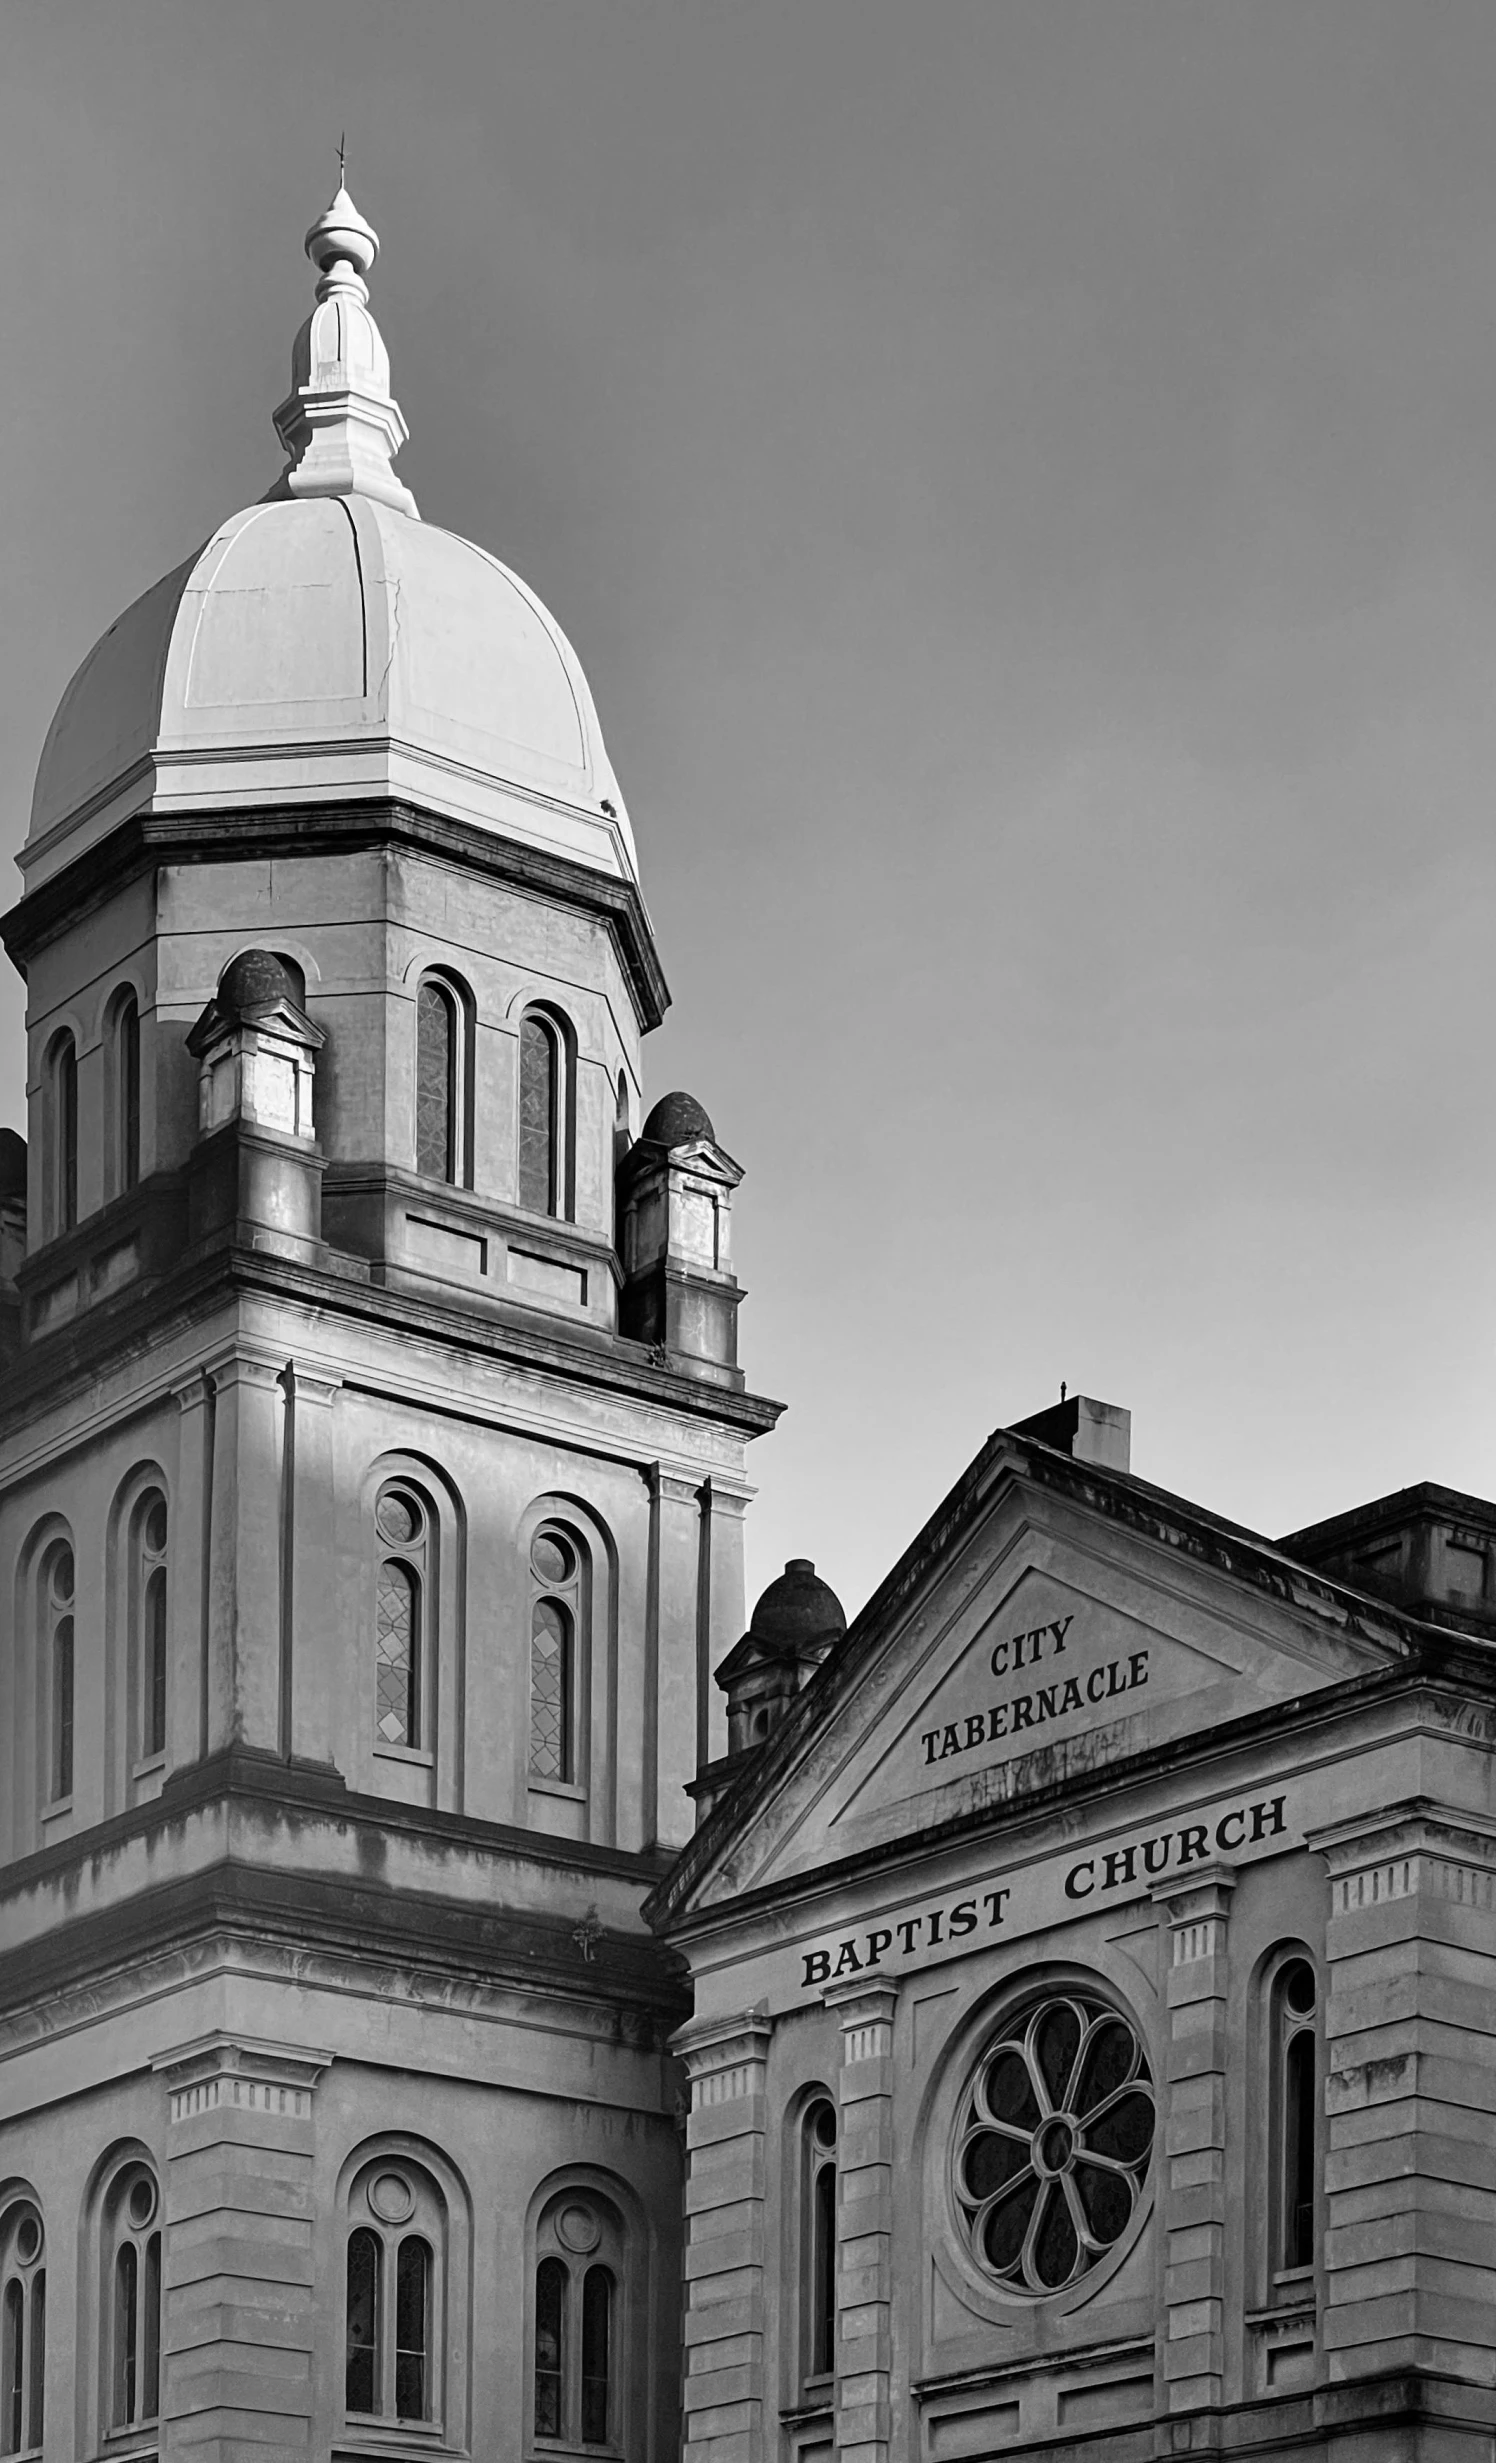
[(327, 646)]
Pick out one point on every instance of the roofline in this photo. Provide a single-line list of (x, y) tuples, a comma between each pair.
[(1121, 1496)]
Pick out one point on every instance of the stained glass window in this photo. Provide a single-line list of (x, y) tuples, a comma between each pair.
[(57, 1599), (550, 2347), (412, 2329), (550, 1690), (1296, 1994), (436, 1081), (818, 2255), (539, 1091), (396, 1710), (597, 2327), (127, 1092), (361, 2378), (150, 1582), (64, 1135), (136, 2325), (1053, 2144)]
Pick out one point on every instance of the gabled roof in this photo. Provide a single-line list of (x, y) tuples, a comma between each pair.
[(1196, 1623)]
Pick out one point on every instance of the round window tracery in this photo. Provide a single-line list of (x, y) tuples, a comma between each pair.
[(1053, 2142)]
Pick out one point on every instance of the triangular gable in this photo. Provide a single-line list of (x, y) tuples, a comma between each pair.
[(1064, 1624)]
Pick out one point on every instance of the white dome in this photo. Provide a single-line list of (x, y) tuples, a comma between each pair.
[(328, 644)]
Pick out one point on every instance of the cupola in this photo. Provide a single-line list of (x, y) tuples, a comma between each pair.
[(798, 1619), (675, 1188)]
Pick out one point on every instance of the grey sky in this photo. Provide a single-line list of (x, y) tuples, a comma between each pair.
[(1022, 481)]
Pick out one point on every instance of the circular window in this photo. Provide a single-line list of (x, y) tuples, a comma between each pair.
[(578, 2228), (155, 1527), (1053, 2142), (551, 1558), (141, 2202), (28, 2239), (398, 1522), (392, 2197)]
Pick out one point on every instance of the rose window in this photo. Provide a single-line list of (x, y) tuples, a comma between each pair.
[(1053, 2143)]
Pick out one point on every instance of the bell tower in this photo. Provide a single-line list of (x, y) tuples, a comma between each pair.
[(372, 1472)]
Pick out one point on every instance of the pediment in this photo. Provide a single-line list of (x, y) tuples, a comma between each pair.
[(1048, 1641)]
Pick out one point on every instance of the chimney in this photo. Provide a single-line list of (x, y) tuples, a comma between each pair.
[(1088, 1430)]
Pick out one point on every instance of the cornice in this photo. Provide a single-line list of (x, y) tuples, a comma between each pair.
[(133, 1320), (145, 840)]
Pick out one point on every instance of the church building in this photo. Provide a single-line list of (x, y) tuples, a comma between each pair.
[(467, 1989)]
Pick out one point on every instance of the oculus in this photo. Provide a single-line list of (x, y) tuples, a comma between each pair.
[(1053, 2143)]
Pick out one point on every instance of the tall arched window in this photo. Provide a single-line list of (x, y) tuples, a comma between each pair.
[(545, 1115), (557, 1603), (23, 2329), (442, 1074), (62, 1134), (401, 1644), (393, 2283), (57, 1576), (577, 2383), (124, 1091), (1295, 2027), (818, 2242), (149, 1655), (133, 2297)]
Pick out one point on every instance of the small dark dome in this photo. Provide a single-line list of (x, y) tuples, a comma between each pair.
[(678, 1120), (12, 1166), (798, 1612), (252, 981)]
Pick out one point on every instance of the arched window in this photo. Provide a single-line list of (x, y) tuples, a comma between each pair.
[(557, 1571), (148, 1622), (132, 2295), (442, 1075), (401, 1643), (124, 1072), (23, 2329), (577, 2397), (1295, 2007), (57, 1575), (818, 2240), (396, 2238), (62, 1135), (545, 1116)]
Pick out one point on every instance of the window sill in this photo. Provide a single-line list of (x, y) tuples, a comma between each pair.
[(570, 1794), (366, 2434), (813, 2408), (149, 1767), (59, 1811), (418, 1754)]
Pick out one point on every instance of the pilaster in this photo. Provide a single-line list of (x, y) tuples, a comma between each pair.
[(191, 1506), (722, 1611), (241, 2318), (723, 2394), (1192, 2110), (1410, 2094), (864, 2219), (245, 1605), (675, 1563), (309, 1719)]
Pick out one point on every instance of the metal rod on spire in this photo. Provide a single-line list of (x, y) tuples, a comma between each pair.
[(342, 158)]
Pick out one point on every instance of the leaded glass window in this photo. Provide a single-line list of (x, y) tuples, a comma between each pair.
[(1295, 1998), (393, 2294), (149, 1575), (540, 1177), (579, 2276), (23, 2330), (126, 1093), (1053, 2143), (58, 1657), (135, 2323), (402, 1525), (63, 1139), (438, 1081), (556, 1577)]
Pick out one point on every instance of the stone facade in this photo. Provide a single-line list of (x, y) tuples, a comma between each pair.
[(1123, 1887), (370, 1522)]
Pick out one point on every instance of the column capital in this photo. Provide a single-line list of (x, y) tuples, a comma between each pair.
[(867, 2013), (242, 2071), (242, 1364), (672, 1485), (1419, 1846), (719, 2050)]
